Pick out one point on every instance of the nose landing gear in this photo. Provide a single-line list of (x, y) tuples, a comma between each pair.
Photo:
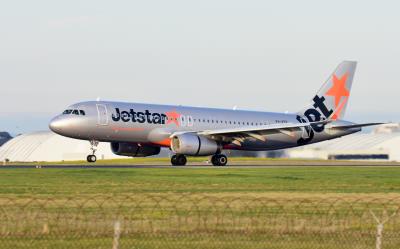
[(91, 158), (219, 160), (93, 147)]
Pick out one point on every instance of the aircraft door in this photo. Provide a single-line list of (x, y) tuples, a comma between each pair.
[(102, 118)]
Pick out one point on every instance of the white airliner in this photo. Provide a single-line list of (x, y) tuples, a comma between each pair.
[(139, 130)]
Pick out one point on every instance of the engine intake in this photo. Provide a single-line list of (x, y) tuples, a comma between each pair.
[(194, 145), (134, 149)]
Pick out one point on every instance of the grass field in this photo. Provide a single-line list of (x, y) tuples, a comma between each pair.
[(216, 180), (202, 207)]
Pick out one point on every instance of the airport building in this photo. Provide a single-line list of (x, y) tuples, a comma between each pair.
[(47, 146), (381, 144)]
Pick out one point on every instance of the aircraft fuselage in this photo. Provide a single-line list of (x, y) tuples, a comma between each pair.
[(153, 124)]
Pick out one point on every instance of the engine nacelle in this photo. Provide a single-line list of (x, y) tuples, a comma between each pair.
[(194, 145), (134, 149)]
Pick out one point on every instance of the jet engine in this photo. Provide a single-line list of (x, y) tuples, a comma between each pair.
[(134, 149), (194, 145)]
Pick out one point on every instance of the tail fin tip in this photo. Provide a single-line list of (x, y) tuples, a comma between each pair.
[(332, 99)]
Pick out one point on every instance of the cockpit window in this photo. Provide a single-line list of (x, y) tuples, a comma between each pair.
[(67, 112), (75, 112)]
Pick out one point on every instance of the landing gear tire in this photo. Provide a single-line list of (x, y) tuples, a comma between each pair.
[(178, 160), (173, 160), (219, 160), (91, 158), (93, 147)]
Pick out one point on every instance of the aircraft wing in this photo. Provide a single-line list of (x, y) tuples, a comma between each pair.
[(237, 135)]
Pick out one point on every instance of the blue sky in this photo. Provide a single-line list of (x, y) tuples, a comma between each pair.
[(262, 55)]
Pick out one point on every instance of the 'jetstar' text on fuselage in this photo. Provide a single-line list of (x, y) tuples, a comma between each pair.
[(140, 117)]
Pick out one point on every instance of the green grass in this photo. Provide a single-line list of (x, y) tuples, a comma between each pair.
[(97, 181), (201, 207)]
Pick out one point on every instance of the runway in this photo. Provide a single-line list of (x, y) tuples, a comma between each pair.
[(89, 166), (203, 165)]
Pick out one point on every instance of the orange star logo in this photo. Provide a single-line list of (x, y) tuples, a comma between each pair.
[(173, 117), (338, 90)]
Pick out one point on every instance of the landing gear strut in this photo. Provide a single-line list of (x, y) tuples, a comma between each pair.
[(178, 160), (93, 147), (219, 160)]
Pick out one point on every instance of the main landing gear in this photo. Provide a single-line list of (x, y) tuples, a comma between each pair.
[(178, 160), (93, 147), (217, 160)]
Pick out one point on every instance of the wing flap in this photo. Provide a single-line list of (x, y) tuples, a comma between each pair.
[(286, 129), (343, 127)]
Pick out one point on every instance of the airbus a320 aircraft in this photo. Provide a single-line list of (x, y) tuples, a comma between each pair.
[(140, 130)]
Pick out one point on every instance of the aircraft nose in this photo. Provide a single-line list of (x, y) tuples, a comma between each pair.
[(57, 124)]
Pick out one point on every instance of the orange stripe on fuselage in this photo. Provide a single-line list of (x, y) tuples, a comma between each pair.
[(164, 143)]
